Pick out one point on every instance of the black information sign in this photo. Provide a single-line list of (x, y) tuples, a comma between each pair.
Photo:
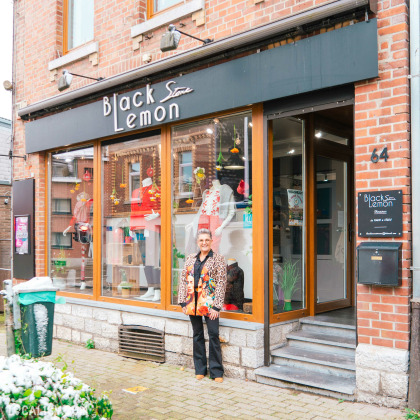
[(380, 214)]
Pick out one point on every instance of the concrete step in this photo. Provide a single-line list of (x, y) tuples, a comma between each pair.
[(311, 360), (322, 327), (304, 380), (328, 343)]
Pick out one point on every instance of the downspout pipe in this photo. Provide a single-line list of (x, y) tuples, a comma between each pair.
[(414, 383)]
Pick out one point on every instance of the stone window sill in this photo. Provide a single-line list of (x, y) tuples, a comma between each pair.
[(74, 55), (168, 17)]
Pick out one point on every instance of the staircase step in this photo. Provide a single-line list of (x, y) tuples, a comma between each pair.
[(328, 342), (317, 361), (330, 328), (316, 382)]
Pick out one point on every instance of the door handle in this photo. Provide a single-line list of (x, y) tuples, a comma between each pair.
[(350, 232)]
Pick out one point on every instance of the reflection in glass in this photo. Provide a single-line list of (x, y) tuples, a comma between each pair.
[(71, 215), (212, 188), (331, 229), (131, 179), (288, 215)]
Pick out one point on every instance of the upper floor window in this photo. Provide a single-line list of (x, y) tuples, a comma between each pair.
[(156, 6), (78, 21)]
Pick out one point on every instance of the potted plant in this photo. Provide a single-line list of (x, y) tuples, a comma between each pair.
[(60, 270), (289, 281), (125, 285)]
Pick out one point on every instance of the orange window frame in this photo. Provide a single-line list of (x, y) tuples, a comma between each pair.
[(150, 8), (259, 246), (66, 48)]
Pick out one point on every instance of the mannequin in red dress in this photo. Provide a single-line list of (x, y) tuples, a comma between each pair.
[(145, 218)]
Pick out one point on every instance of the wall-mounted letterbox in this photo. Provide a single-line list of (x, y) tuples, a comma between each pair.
[(379, 263)]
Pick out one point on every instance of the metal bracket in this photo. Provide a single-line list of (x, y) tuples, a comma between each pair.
[(11, 155), (414, 268)]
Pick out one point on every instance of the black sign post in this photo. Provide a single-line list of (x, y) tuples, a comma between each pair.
[(380, 214)]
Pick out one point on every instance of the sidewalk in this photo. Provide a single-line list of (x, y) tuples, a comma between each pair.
[(173, 393)]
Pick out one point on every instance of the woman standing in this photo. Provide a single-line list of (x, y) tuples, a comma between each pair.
[(201, 293)]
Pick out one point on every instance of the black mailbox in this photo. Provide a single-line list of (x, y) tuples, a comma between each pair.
[(379, 263)]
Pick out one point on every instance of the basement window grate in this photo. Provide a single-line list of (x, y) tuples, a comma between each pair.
[(141, 343)]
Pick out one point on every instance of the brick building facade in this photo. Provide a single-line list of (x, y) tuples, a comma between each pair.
[(5, 199), (306, 101)]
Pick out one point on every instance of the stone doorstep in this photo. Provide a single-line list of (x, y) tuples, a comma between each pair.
[(315, 380), (345, 362), (330, 340)]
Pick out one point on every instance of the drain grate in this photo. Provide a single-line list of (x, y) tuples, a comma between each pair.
[(142, 343)]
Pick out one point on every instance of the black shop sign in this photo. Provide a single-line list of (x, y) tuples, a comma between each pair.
[(380, 214)]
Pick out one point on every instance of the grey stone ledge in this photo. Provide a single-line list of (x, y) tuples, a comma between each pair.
[(74, 55), (244, 325), (165, 18)]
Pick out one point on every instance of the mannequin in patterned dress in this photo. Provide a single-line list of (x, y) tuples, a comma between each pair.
[(216, 211)]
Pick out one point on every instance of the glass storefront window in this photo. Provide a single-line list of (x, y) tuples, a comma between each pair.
[(71, 216), (212, 188), (288, 215), (131, 219)]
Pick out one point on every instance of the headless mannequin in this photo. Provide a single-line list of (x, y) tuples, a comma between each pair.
[(234, 296), (141, 208)]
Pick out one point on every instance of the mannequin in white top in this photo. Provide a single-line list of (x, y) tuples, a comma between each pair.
[(215, 213)]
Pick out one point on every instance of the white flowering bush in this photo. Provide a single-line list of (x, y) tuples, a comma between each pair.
[(31, 389)]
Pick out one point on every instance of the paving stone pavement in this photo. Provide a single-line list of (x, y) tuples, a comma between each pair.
[(174, 393)]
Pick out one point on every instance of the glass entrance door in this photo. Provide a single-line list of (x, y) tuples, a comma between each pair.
[(332, 240)]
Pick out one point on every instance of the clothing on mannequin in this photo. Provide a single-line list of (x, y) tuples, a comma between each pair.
[(81, 217), (145, 223), (216, 211), (234, 296)]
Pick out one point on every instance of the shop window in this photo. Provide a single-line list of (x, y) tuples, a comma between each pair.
[(185, 174), (71, 220), (156, 6), (78, 22), (288, 215), (212, 188), (131, 179), (134, 179), (61, 206), (58, 240)]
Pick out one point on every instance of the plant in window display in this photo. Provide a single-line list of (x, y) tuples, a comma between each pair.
[(289, 280), (59, 272)]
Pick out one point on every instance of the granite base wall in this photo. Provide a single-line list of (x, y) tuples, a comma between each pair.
[(242, 349), (382, 375)]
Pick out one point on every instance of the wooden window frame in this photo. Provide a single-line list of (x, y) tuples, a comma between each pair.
[(66, 49), (259, 244), (150, 8)]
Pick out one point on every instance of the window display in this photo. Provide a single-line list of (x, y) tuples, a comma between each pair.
[(131, 174), (288, 215), (71, 238), (212, 187)]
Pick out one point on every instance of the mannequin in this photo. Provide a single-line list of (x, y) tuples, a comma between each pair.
[(234, 296), (216, 211), (81, 216), (145, 224)]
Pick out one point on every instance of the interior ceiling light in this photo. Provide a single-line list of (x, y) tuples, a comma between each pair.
[(318, 134), (170, 39), (234, 162), (209, 131), (64, 81), (291, 151)]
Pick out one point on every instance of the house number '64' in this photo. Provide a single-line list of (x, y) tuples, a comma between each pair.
[(374, 157)]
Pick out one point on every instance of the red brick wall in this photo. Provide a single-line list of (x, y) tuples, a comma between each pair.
[(382, 119)]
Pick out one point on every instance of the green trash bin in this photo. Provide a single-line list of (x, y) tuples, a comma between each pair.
[(37, 320)]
